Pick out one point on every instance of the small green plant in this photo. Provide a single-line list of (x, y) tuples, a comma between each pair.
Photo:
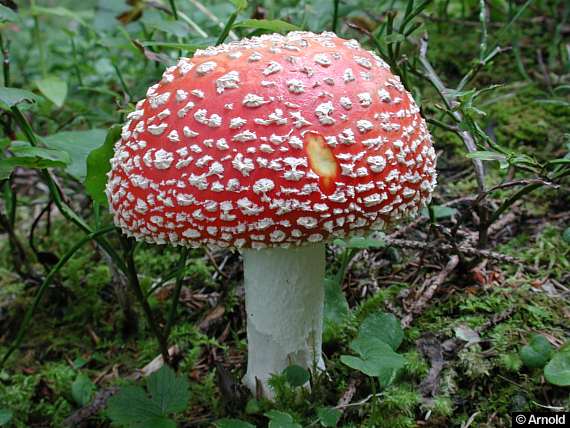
[(133, 407), (279, 419), (82, 389), (536, 354), (328, 416), (539, 354), (232, 423), (378, 338), (5, 417), (557, 371)]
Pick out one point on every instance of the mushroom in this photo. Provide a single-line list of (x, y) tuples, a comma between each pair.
[(273, 145)]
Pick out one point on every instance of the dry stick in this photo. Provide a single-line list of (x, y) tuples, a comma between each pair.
[(426, 296), (348, 395), (215, 264), (461, 248), (513, 183)]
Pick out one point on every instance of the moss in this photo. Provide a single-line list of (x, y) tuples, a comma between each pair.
[(522, 122)]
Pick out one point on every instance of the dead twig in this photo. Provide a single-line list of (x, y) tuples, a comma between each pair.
[(513, 183), (215, 264), (348, 394), (461, 248), (430, 287)]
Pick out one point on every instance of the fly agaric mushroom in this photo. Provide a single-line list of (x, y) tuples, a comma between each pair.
[(273, 145)]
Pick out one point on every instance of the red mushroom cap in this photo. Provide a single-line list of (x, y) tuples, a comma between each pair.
[(271, 141)]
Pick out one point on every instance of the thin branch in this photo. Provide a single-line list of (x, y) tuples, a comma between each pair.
[(459, 248), (433, 284), (176, 296), (133, 278), (467, 138), (215, 264), (514, 183)]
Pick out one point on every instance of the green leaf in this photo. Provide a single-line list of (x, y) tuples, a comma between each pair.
[(377, 359), (27, 156), (5, 416), (382, 326), (440, 211), (394, 38), (232, 423), (169, 392), (54, 89), (78, 144), (360, 243), (23, 149), (336, 307), (159, 21), (159, 422), (328, 416), (62, 12), (557, 371), (9, 97), (6, 170), (537, 353), (561, 161), (98, 166), (273, 25), (486, 155), (566, 235), (296, 375), (132, 406), (279, 419), (8, 15), (239, 4), (82, 389), (173, 45), (79, 362)]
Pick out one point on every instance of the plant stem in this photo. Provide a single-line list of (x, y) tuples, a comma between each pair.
[(39, 40), (374, 398), (335, 15), (46, 283), (483, 17), (227, 28), (5, 61), (176, 296), (122, 80), (75, 65), (133, 280), (173, 8)]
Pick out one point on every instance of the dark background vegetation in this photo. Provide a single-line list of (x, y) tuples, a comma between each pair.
[(479, 282)]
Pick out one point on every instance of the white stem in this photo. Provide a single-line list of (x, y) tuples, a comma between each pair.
[(284, 298)]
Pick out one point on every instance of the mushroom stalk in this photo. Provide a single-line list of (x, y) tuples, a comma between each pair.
[(284, 298)]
